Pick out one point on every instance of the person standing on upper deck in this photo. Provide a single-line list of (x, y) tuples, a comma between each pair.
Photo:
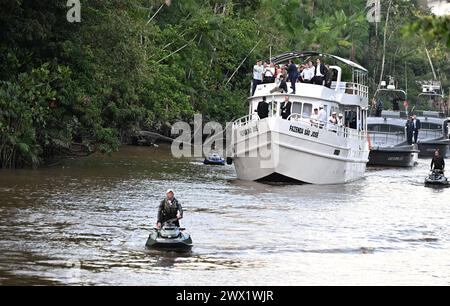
[(319, 73), (258, 71), (308, 73), (269, 73), (328, 76), (292, 75)]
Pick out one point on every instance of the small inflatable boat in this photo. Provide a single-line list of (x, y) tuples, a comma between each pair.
[(436, 179), (169, 237), (214, 160)]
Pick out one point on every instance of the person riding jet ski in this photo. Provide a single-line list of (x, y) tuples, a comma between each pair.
[(168, 235), (169, 209), (438, 162)]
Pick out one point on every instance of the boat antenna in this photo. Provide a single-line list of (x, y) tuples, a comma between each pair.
[(243, 61), (383, 62), (431, 64), (406, 79), (270, 48)]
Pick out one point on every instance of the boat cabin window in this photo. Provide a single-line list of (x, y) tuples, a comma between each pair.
[(351, 120), (397, 129), (296, 108), (307, 110), (386, 128), (431, 126)]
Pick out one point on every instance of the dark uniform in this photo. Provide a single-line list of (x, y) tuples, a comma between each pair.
[(168, 210), (263, 110), (286, 110), (438, 163), (410, 131)]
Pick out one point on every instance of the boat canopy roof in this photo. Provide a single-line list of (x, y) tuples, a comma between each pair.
[(392, 91), (279, 59)]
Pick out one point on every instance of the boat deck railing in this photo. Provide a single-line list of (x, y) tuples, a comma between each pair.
[(299, 118), (245, 120), (349, 88), (431, 134), (352, 89), (327, 126)]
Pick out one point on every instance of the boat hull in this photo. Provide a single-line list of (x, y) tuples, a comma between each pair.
[(393, 157), (274, 150), (427, 148), (214, 162)]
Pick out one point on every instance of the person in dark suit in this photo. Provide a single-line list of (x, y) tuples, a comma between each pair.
[(379, 108), (292, 75), (417, 125), (396, 104), (409, 131), (328, 77), (286, 108), (263, 109), (319, 73)]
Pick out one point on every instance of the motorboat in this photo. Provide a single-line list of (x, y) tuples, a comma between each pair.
[(387, 133), (298, 148), (214, 159)]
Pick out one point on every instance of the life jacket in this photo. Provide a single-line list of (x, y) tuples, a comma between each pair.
[(170, 211)]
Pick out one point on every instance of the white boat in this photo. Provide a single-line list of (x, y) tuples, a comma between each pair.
[(299, 148)]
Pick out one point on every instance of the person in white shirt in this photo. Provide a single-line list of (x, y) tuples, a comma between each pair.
[(269, 73), (341, 121), (315, 117), (319, 73), (333, 122), (322, 116), (258, 71), (308, 73)]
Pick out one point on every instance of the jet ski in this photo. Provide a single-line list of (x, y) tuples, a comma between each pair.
[(169, 237), (214, 160), (437, 179)]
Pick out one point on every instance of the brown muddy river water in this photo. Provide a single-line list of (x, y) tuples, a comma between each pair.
[(86, 222)]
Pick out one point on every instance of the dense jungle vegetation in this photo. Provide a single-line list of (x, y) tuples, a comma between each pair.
[(137, 64)]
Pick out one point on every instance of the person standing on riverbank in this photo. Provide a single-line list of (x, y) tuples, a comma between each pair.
[(169, 209)]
